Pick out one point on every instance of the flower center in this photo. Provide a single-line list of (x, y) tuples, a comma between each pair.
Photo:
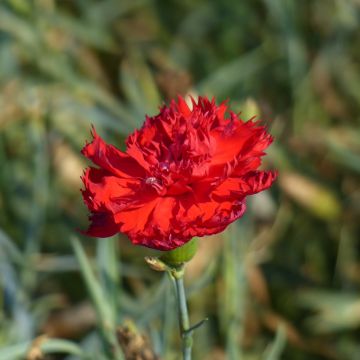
[(152, 181), (155, 183)]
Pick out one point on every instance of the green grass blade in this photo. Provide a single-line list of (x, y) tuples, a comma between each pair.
[(109, 270), (99, 298), (96, 292), (278, 345)]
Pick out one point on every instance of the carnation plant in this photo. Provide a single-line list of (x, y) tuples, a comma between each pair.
[(184, 175)]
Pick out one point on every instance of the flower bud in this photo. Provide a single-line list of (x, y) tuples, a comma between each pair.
[(155, 263)]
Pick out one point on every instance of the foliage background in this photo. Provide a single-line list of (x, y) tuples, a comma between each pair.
[(283, 282)]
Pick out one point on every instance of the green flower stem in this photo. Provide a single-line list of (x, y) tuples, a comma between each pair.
[(173, 262), (177, 276)]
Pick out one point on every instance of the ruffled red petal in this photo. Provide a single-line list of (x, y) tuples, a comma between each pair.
[(252, 183), (110, 158), (102, 225)]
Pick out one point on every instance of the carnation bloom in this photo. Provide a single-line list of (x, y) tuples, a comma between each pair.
[(185, 173)]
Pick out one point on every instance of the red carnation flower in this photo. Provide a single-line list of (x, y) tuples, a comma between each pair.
[(185, 173)]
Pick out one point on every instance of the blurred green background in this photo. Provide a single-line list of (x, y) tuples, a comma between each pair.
[(281, 283)]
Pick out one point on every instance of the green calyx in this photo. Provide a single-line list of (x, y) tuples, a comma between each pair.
[(181, 254)]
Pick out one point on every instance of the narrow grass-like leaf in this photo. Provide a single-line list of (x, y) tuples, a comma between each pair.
[(10, 248), (96, 292), (102, 306), (277, 347), (108, 266), (231, 74)]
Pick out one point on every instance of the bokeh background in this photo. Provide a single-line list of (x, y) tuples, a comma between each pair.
[(281, 283)]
